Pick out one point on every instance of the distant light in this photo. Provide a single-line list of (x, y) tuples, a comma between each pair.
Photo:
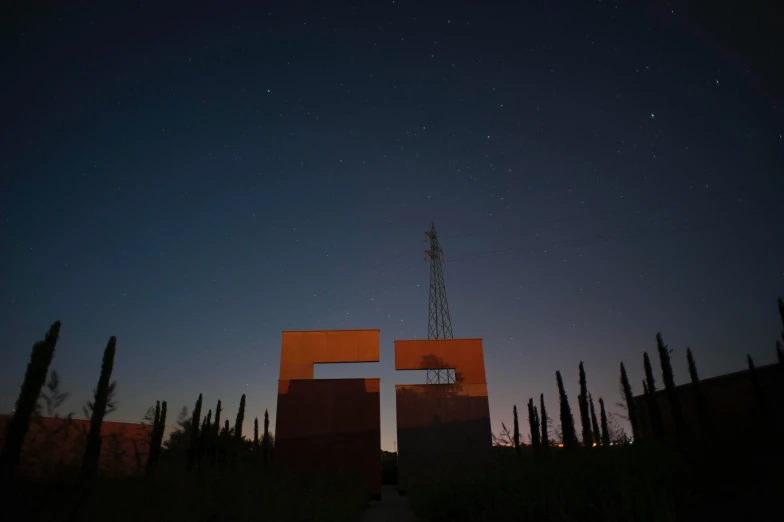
[(653, 116)]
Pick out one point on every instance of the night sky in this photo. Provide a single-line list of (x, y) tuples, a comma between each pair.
[(196, 179)]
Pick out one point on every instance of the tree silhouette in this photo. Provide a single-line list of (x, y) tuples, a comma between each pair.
[(92, 451), (516, 430), (537, 429), (35, 376), (669, 385), (240, 419), (582, 403), (218, 411), (706, 423), (151, 453), (545, 421), (605, 428), (111, 402), (180, 438), (567, 420), (162, 423), (194, 435), (763, 405), (159, 432), (779, 351), (653, 404), (214, 436), (597, 434), (631, 408), (51, 396), (255, 434), (533, 424), (265, 440)]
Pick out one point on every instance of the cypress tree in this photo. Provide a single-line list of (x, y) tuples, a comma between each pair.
[(35, 376), (779, 352), (255, 433), (781, 315), (582, 402), (597, 434), (516, 430), (706, 423), (631, 408), (265, 441), (532, 425), (567, 420), (156, 438), (537, 428), (208, 427), (240, 419), (193, 449), (545, 421), (151, 454), (669, 385), (218, 411), (92, 450), (226, 430), (161, 429), (650, 394), (762, 400), (605, 427), (204, 440), (196, 420)]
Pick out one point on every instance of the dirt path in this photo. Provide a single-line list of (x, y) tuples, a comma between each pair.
[(391, 508)]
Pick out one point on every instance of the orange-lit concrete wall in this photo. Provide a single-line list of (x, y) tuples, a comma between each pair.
[(329, 425), (53, 446), (442, 429)]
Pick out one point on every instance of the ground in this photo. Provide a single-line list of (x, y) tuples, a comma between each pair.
[(391, 508)]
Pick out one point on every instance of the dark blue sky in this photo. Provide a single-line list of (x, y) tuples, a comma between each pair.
[(195, 180)]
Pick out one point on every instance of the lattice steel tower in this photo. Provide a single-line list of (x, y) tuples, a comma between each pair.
[(439, 325)]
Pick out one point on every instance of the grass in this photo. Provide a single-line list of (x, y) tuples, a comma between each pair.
[(612, 484), (247, 493)]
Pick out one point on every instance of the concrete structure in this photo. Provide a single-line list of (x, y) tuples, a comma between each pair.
[(329, 425), (55, 446), (731, 401), (442, 429)]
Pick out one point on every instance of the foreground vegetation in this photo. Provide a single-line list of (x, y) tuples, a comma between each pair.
[(243, 494), (623, 483)]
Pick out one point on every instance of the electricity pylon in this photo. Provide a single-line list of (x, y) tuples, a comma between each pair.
[(439, 325)]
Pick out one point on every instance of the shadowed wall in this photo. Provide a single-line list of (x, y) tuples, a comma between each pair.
[(329, 425), (442, 429), (55, 446), (731, 401)]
